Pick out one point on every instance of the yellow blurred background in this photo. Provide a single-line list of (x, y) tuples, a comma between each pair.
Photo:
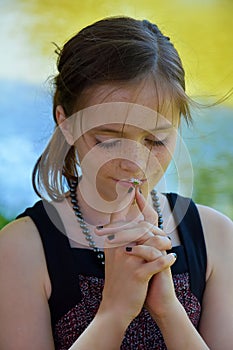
[(200, 30)]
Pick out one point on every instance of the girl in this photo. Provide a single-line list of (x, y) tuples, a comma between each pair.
[(108, 263)]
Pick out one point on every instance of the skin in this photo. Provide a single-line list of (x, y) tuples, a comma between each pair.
[(24, 316), (141, 160)]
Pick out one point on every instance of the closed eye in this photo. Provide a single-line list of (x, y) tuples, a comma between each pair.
[(154, 143), (108, 144)]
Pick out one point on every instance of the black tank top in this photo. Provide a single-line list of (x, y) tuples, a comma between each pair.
[(65, 263)]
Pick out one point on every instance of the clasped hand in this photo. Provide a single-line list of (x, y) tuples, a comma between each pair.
[(135, 254)]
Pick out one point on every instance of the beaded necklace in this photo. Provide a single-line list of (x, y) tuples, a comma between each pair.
[(84, 227)]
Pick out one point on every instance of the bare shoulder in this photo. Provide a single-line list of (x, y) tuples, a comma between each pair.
[(216, 320), (21, 246), (25, 289), (20, 237), (18, 228), (215, 224), (218, 232)]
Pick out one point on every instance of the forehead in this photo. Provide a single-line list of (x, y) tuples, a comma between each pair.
[(139, 104), (144, 92)]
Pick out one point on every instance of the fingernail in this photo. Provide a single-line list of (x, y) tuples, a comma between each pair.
[(111, 237), (175, 255), (99, 227), (128, 249), (169, 238), (130, 189)]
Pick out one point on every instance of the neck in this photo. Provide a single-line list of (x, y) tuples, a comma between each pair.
[(95, 217), (92, 216)]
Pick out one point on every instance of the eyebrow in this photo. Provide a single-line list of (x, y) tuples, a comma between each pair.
[(111, 130)]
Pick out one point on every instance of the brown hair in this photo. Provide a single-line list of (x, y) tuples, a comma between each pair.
[(115, 49)]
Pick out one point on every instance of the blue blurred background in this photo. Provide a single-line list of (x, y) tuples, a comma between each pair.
[(200, 30)]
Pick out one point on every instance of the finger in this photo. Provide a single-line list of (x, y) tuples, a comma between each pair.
[(114, 227), (162, 263), (138, 235), (123, 207), (121, 228), (146, 253), (118, 217), (147, 210), (162, 243), (133, 235)]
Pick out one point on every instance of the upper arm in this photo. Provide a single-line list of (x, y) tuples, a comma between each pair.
[(24, 312), (216, 324)]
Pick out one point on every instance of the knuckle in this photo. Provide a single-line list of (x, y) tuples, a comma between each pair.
[(152, 254), (162, 262), (140, 275), (144, 227), (162, 242), (155, 241)]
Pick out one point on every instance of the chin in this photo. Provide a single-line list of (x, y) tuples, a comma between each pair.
[(109, 190)]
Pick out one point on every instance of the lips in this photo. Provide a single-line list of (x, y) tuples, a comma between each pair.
[(135, 181), (131, 181)]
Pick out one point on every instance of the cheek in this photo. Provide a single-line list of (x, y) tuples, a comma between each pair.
[(107, 167), (164, 159), (97, 163), (88, 153), (162, 155), (160, 159), (167, 152)]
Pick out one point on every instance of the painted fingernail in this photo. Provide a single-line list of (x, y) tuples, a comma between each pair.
[(169, 238), (130, 189), (128, 249), (175, 255), (111, 237), (99, 227)]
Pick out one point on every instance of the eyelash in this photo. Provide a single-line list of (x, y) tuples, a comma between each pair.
[(109, 144), (155, 143)]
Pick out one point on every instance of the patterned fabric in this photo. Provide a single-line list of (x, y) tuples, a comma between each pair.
[(142, 333), (73, 303)]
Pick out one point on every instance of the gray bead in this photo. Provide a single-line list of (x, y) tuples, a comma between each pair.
[(89, 237), (86, 230)]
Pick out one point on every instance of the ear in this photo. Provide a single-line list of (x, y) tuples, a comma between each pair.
[(64, 124)]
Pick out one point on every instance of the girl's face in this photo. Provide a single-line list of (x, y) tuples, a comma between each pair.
[(122, 136)]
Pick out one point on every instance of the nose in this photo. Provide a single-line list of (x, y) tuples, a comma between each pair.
[(134, 160), (131, 167)]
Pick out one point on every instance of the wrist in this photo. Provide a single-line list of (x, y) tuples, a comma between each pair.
[(105, 332), (113, 318), (177, 329), (168, 311)]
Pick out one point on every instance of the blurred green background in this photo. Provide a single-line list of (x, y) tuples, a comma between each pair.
[(202, 33)]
